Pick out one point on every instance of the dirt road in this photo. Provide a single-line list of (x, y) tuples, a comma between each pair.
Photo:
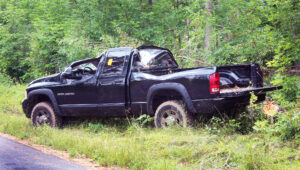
[(14, 155)]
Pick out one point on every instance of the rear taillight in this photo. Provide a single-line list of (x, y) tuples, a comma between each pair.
[(214, 83)]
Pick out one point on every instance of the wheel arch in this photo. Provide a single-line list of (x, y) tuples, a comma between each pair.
[(154, 90), (41, 95)]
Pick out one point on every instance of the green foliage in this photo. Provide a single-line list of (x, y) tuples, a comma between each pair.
[(39, 38), (5, 80), (145, 120), (10, 98), (290, 93), (241, 124), (245, 123), (95, 127), (262, 126), (287, 126)]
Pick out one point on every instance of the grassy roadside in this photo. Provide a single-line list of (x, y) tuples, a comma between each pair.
[(119, 143), (11, 98)]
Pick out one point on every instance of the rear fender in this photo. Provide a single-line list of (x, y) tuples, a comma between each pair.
[(169, 86)]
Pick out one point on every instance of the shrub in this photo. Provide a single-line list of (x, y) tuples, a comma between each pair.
[(288, 126), (5, 80)]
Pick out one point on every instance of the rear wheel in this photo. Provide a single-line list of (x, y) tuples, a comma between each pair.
[(172, 113), (43, 114)]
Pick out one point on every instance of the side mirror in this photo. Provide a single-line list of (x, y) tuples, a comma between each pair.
[(68, 74)]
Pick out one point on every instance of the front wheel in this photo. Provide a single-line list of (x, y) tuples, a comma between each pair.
[(172, 113), (43, 114)]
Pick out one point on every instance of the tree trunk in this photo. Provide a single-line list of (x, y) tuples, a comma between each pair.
[(141, 4), (150, 2), (187, 35), (208, 9)]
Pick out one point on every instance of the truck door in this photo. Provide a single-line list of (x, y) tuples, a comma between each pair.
[(112, 83), (80, 94)]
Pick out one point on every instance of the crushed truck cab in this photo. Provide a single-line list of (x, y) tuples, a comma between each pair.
[(129, 82)]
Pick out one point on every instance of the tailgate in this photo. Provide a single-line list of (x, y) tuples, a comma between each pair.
[(241, 75), (237, 91)]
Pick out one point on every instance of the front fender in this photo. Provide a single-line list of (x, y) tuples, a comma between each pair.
[(169, 86), (49, 94)]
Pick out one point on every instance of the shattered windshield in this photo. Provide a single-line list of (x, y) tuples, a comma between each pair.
[(90, 63)]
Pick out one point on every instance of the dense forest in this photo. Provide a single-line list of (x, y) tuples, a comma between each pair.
[(41, 37)]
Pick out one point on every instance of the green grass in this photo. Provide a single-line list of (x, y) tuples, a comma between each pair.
[(11, 98), (125, 144)]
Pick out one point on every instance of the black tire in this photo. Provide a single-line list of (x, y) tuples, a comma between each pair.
[(43, 113), (172, 113)]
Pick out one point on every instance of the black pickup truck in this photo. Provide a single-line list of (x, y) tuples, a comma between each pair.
[(128, 82)]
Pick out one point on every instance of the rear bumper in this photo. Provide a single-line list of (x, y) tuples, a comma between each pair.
[(222, 104), (226, 101)]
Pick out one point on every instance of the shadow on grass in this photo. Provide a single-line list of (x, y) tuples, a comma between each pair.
[(104, 124)]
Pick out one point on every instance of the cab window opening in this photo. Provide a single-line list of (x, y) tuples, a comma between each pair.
[(114, 66)]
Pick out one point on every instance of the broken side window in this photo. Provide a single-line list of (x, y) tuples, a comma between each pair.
[(155, 58), (113, 66)]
